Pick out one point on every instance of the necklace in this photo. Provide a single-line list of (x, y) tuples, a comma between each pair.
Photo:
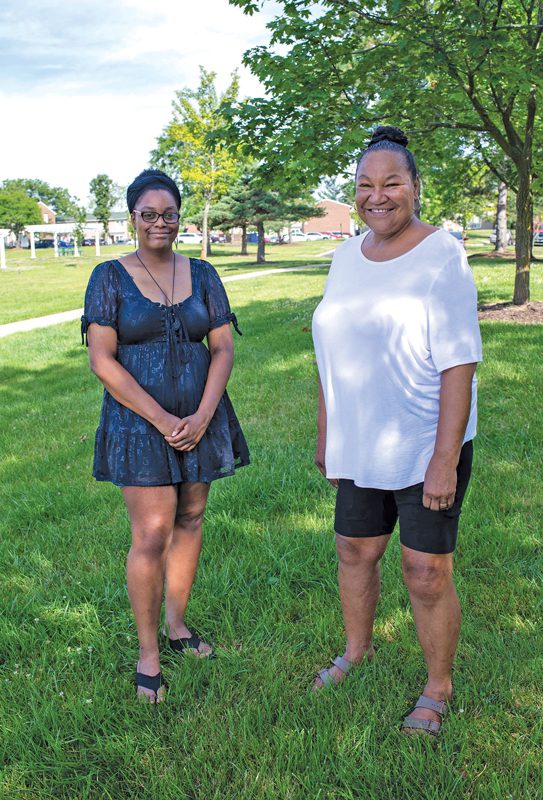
[(157, 283)]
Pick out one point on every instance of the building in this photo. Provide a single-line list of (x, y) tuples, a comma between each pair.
[(337, 218), (118, 227), (47, 214)]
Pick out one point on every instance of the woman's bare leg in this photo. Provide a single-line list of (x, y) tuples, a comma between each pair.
[(152, 512), (359, 587), (429, 579), (182, 557)]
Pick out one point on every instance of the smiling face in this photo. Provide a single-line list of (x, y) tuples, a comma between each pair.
[(385, 192), (159, 234)]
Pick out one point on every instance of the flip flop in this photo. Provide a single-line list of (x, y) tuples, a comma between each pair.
[(188, 644), (153, 682)]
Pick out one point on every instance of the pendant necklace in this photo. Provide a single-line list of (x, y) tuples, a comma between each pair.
[(157, 283)]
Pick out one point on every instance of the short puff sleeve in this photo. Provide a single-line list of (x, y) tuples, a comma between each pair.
[(101, 298), (216, 300)]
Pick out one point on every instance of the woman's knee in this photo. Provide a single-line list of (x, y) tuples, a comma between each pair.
[(427, 577), (355, 551), (190, 517), (151, 536)]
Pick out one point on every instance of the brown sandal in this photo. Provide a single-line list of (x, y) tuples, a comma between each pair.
[(429, 726)]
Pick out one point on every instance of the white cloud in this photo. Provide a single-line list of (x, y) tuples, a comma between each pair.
[(91, 83)]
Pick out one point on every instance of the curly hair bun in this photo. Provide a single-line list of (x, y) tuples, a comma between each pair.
[(388, 133)]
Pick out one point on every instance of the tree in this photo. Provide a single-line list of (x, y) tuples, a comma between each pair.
[(79, 214), (336, 189), (249, 203), (472, 68), (104, 195), (190, 149), (58, 198), (17, 210), (234, 209)]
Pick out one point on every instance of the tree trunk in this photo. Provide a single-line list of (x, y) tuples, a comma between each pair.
[(244, 240), (260, 253), (501, 219), (523, 236), (205, 243)]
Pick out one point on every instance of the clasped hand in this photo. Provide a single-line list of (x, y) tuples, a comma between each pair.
[(186, 432)]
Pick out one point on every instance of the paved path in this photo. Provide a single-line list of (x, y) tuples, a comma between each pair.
[(69, 316)]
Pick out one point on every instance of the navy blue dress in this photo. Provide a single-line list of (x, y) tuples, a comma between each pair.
[(162, 348)]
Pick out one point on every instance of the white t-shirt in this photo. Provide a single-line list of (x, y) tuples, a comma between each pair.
[(383, 333)]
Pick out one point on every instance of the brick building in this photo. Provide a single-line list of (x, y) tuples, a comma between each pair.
[(47, 214), (337, 218)]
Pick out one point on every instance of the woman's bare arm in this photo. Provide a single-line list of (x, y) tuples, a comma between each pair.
[(454, 409), (192, 428), (320, 450), (120, 383)]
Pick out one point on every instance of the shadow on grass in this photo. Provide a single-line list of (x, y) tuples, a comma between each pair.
[(266, 594)]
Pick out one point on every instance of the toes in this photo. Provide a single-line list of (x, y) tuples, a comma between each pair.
[(147, 695)]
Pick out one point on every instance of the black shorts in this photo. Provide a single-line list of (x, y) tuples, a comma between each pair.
[(373, 512)]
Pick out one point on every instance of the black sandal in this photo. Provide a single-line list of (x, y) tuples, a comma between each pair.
[(189, 643), (153, 682)]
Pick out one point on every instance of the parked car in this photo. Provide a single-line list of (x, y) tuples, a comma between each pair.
[(42, 243), (509, 239), (538, 237), (298, 236), (217, 238), (313, 236), (339, 235), (190, 238)]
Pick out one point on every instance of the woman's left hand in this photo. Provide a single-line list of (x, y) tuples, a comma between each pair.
[(188, 432), (439, 485)]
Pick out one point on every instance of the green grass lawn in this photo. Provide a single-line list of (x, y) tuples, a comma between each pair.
[(48, 284), (246, 725)]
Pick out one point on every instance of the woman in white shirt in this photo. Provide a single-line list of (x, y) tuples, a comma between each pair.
[(397, 342)]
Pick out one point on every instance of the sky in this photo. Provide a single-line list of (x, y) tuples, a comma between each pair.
[(88, 85)]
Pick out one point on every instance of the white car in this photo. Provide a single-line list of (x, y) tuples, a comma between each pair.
[(190, 238), (298, 236), (314, 236)]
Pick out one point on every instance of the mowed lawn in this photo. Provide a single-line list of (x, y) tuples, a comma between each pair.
[(47, 285), (246, 724)]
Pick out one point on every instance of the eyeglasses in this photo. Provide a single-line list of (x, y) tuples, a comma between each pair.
[(170, 217)]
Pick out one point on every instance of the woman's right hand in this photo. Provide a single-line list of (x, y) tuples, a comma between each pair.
[(169, 424)]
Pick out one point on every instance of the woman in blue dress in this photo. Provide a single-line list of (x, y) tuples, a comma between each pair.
[(167, 427)]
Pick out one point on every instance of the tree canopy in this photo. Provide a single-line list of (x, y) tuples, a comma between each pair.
[(189, 150), (104, 195), (56, 197), (17, 210), (469, 70)]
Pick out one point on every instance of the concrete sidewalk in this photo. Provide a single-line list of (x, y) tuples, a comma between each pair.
[(68, 316)]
